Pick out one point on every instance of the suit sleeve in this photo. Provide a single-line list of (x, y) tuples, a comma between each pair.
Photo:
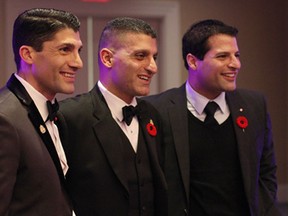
[(9, 157)]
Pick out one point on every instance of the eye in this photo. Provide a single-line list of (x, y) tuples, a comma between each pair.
[(222, 56), (65, 49), (140, 56), (155, 57), (237, 55)]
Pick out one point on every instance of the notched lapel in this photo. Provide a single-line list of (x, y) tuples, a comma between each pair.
[(106, 130), (246, 140), (144, 118), (149, 139), (238, 107), (178, 119)]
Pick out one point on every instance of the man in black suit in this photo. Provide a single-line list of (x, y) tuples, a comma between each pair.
[(113, 160), (46, 45), (219, 160)]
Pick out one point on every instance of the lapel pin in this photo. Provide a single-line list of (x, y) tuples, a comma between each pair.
[(42, 129), (151, 128), (242, 122)]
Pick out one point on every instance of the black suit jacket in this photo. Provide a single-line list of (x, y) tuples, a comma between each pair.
[(96, 179), (31, 177), (255, 149)]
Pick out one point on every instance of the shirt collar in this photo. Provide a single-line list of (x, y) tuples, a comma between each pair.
[(115, 104), (39, 99), (199, 102)]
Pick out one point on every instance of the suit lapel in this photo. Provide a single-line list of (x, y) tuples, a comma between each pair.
[(245, 137), (179, 126), (108, 133), (145, 117), (17, 88)]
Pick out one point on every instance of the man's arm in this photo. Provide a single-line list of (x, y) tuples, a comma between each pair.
[(9, 160)]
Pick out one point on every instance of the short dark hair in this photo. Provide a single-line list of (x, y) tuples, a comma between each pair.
[(37, 25), (123, 25), (195, 40)]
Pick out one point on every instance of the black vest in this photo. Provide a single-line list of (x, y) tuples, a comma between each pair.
[(216, 186), (139, 177)]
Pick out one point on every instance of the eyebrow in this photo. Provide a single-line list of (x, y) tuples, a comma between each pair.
[(69, 44), (144, 50)]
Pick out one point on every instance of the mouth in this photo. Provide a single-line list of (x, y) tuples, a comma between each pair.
[(68, 75), (230, 75), (145, 78)]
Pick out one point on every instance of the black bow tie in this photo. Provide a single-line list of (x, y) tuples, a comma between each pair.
[(52, 110), (128, 113)]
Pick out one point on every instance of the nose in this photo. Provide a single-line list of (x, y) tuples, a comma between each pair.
[(152, 67), (235, 62), (76, 61)]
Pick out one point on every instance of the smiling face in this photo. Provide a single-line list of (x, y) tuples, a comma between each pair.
[(53, 69), (133, 64), (218, 70)]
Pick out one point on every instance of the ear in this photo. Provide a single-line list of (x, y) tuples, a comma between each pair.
[(25, 53), (106, 57), (191, 61)]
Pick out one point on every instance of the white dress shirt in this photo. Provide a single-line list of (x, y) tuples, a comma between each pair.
[(115, 105), (196, 104)]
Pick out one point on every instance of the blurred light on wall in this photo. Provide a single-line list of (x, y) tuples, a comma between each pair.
[(97, 1)]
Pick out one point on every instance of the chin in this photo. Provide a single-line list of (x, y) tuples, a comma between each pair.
[(68, 91), (143, 93), (230, 88)]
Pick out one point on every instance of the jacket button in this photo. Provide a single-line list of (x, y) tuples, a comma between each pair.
[(185, 212)]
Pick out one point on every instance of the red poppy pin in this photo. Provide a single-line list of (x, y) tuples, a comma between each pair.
[(242, 122), (151, 128)]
